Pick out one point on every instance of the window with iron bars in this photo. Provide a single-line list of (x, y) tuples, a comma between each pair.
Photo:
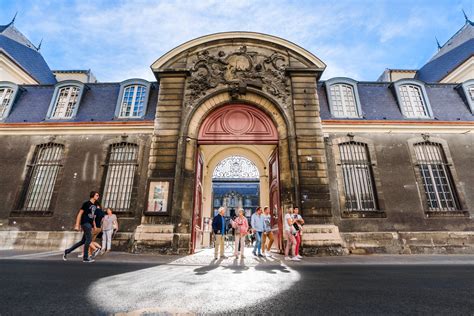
[(359, 189), (122, 163), (41, 177), (437, 180)]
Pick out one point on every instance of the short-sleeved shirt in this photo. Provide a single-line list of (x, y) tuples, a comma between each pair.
[(286, 227), (108, 223), (89, 209), (99, 214)]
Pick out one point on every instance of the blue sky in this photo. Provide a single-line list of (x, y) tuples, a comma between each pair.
[(121, 39)]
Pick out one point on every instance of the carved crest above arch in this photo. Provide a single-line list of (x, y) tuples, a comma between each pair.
[(238, 123), (238, 70)]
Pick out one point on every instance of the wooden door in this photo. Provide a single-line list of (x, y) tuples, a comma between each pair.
[(275, 206), (197, 231)]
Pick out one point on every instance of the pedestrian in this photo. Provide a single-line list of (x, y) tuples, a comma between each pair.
[(95, 247), (267, 232), (85, 220), (109, 226), (257, 225), (241, 227), (298, 225), (290, 232), (219, 229)]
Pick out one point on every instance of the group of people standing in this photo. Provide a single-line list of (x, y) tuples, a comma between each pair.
[(95, 223), (261, 227)]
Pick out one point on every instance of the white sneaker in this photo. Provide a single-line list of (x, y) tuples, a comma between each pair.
[(287, 258), (295, 259), (299, 257)]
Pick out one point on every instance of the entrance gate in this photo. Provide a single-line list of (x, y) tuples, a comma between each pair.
[(231, 125)]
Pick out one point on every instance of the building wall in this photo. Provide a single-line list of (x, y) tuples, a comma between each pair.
[(402, 193), (82, 171)]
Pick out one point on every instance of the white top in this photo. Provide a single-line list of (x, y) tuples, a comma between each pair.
[(287, 227), (108, 221)]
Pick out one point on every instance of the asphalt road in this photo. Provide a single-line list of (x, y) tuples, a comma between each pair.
[(46, 287)]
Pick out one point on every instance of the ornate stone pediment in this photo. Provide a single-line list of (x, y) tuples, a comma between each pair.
[(238, 70)]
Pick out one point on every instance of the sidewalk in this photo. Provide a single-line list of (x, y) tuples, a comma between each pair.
[(206, 257)]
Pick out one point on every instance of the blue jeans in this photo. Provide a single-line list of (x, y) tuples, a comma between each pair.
[(86, 241), (258, 242)]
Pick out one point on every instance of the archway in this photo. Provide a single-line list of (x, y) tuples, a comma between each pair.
[(239, 134)]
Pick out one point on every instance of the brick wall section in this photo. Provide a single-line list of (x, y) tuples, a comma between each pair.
[(312, 167), (164, 145)]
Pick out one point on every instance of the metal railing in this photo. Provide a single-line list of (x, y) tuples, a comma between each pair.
[(436, 176), (41, 177), (357, 174), (122, 162)]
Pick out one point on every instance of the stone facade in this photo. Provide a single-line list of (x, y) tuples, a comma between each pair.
[(281, 81)]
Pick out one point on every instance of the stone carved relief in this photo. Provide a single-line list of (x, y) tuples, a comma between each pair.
[(238, 70)]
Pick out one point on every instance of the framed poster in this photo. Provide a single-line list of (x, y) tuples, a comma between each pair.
[(159, 195)]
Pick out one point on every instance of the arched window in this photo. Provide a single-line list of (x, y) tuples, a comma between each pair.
[(133, 101), (41, 177), (412, 99), (236, 167), (133, 98), (436, 176), (121, 166), (343, 98), (357, 175), (66, 99), (467, 91), (8, 93)]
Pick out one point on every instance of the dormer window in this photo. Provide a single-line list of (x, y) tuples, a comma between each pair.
[(467, 91), (66, 99), (343, 98), (8, 93), (412, 99), (133, 98)]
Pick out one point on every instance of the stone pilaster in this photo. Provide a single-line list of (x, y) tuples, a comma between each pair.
[(314, 196)]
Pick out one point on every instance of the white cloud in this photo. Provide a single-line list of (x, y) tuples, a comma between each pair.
[(119, 40)]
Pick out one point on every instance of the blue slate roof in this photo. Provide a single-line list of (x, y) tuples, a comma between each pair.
[(27, 58), (98, 104), (438, 68), (378, 102)]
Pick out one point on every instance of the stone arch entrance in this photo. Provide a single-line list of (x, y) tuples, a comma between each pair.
[(234, 129), (197, 78)]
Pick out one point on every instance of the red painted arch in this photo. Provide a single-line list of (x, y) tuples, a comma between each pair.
[(238, 123)]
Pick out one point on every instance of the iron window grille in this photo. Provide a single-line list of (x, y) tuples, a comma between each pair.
[(359, 189), (66, 102), (122, 163), (133, 101), (6, 94), (343, 101), (437, 180), (41, 177), (412, 101)]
